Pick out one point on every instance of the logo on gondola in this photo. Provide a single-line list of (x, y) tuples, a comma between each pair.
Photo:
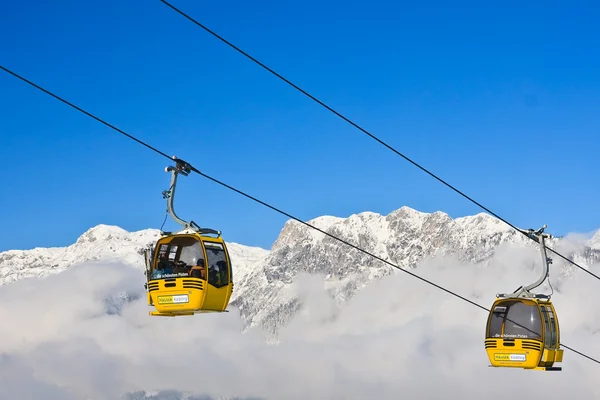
[(177, 299), (510, 357)]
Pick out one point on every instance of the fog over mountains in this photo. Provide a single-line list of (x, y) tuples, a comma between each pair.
[(310, 317)]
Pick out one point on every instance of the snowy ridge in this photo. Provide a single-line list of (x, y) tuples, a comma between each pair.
[(264, 291), (102, 242), (405, 237), (594, 242)]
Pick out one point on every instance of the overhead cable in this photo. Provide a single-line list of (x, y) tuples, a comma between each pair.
[(354, 124), (269, 205)]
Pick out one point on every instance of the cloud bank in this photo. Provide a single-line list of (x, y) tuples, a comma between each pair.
[(86, 334)]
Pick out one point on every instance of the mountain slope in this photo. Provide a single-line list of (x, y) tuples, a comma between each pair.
[(102, 242), (594, 242), (405, 238), (264, 290)]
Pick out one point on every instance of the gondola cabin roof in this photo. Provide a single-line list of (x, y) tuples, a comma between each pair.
[(203, 232)]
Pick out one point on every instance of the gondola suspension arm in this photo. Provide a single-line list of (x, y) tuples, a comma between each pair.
[(525, 291), (183, 168)]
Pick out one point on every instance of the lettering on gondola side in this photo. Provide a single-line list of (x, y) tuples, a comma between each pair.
[(511, 336), (177, 275)]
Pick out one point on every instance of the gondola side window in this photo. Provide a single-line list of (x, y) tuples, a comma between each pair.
[(553, 330), (173, 253), (515, 320), (160, 261), (218, 275), (164, 264), (547, 336), (161, 257), (496, 322)]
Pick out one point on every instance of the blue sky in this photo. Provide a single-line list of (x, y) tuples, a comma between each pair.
[(501, 101)]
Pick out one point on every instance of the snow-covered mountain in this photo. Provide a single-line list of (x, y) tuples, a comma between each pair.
[(102, 242), (594, 242), (405, 237), (263, 278)]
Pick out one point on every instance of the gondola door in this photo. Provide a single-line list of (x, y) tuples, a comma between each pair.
[(552, 353), (218, 290)]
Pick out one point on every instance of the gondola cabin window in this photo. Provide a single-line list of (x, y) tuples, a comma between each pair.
[(176, 258), (218, 274), (164, 265), (551, 341), (191, 252), (515, 320), (553, 329)]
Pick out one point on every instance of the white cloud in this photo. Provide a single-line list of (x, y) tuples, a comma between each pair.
[(69, 337)]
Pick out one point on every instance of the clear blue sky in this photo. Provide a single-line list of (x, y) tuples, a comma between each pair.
[(501, 100)]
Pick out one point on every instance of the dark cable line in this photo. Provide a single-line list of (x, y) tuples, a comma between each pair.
[(275, 208), (83, 111), (364, 130), (372, 255)]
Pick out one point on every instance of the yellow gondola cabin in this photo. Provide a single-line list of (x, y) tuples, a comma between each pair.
[(523, 333), (189, 271), (522, 328)]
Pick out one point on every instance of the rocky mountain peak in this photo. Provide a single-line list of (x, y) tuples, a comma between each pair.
[(405, 237), (103, 232)]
